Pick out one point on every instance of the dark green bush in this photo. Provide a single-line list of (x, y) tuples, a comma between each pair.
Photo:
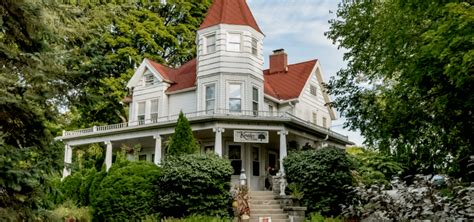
[(195, 184), (76, 187), (324, 176), (128, 192)]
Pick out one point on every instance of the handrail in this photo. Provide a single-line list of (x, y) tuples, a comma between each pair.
[(204, 113)]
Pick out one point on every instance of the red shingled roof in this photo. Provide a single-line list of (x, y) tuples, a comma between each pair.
[(181, 78), (281, 85), (233, 12), (288, 85)]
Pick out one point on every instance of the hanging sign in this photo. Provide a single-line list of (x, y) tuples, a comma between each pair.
[(249, 136)]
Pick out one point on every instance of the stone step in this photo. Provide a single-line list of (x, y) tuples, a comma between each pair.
[(266, 211), (261, 193), (262, 197), (273, 216), (265, 206), (273, 220), (263, 202)]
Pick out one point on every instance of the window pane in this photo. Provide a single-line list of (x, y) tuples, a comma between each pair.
[(141, 108), (210, 104), (210, 43), (256, 168), (254, 46), (234, 105), (237, 166), (211, 48), (234, 91), (234, 47), (234, 37), (149, 79), (255, 94), (312, 90), (142, 157), (154, 106), (234, 152), (210, 91), (255, 107)]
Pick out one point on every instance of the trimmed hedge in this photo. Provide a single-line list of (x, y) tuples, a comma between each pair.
[(195, 184), (324, 176), (126, 193)]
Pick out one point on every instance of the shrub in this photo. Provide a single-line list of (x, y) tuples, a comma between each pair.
[(68, 211), (197, 218), (75, 187), (317, 217), (127, 192), (195, 184), (374, 167), (323, 175)]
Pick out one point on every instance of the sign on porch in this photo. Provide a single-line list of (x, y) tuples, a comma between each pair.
[(248, 136)]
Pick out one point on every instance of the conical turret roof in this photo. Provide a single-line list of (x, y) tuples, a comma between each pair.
[(232, 12)]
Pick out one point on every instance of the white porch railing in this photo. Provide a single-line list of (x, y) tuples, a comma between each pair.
[(249, 114)]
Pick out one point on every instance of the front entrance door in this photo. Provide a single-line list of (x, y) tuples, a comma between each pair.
[(256, 170)]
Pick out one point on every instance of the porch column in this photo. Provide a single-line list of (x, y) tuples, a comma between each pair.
[(67, 160), (283, 152), (218, 140), (108, 155), (157, 159)]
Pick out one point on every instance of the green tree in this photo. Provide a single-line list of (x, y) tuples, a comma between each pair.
[(408, 83), (114, 40), (182, 141), (28, 94)]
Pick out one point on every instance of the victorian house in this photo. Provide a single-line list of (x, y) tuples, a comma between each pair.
[(236, 108)]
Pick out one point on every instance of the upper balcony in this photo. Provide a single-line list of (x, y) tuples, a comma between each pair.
[(219, 114)]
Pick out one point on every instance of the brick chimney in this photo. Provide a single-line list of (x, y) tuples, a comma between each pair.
[(278, 61)]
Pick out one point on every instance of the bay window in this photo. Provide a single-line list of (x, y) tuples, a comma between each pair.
[(210, 42), (255, 101)]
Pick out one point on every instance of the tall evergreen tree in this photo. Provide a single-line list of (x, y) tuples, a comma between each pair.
[(182, 141)]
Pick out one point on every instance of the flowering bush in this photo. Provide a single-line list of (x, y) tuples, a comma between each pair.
[(417, 201)]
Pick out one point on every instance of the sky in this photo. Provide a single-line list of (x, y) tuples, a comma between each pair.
[(298, 26)]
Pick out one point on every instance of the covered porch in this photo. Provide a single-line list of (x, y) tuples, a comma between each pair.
[(251, 144)]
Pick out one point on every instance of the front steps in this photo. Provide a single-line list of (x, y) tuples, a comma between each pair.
[(263, 204)]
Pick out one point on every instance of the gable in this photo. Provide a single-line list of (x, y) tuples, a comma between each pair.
[(148, 67)]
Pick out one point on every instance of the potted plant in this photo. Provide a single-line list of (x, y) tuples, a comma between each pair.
[(296, 193)]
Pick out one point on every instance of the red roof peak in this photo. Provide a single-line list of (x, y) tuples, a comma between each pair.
[(232, 12)]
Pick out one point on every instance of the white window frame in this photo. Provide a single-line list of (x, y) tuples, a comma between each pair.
[(231, 42), (315, 118), (143, 115), (255, 102), (254, 47), (206, 44), (152, 117), (209, 111), (230, 98)]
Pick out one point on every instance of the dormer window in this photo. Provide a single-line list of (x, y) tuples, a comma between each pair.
[(149, 79), (210, 41), (233, 42)]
